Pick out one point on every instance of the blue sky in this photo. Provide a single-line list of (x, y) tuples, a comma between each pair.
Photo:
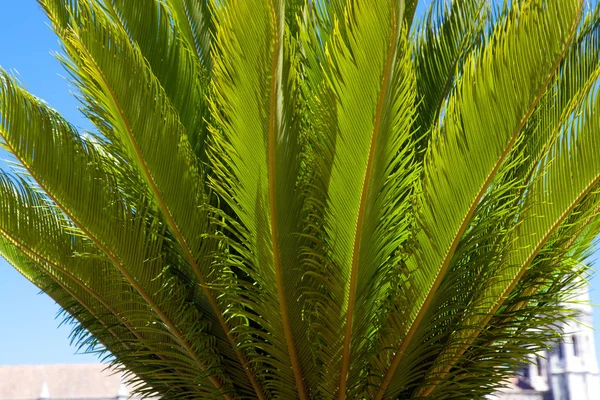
[(29, 332), (28, 327)]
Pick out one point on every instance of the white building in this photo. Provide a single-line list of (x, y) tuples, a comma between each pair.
[(64, 382), (569, 372)]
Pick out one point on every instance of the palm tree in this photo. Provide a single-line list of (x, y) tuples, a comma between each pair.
[(311, 199)]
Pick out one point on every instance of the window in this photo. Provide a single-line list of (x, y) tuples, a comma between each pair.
[(575, 347), (561, 350), (540, 367), (526, 373)]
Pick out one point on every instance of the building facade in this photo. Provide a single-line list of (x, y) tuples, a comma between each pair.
[(62, 382), (569, 371)]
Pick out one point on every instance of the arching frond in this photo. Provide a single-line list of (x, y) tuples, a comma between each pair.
[(82, 279), (131, 239), (472, 126), (444, 39)]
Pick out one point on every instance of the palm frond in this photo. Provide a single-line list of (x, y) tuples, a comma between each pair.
[(471, 123), (545, 210), (195, 22), (575, 77), (171, 170), (366, 173), (171, 58), (255, 158), (88, 281), (130, 238), (444, 38)]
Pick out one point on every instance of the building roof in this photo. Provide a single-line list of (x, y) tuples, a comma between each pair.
[(64, 382)]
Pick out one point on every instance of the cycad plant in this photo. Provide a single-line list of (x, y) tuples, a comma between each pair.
[(311, 199)]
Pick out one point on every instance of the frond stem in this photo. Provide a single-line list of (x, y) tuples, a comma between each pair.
[(565, 115), (366, 188), (532, 290), (287, 329), (36, 257)]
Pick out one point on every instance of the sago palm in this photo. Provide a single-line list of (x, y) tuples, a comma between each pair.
[(311, 199)]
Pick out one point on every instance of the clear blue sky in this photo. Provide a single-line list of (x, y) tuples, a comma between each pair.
[(29, 332), (28, 323)]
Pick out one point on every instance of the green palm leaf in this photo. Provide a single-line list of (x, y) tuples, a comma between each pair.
[(134, 249), (174, 166), (255, 159), (112, 310), (470, 123), (369, 176), (451, 32)]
